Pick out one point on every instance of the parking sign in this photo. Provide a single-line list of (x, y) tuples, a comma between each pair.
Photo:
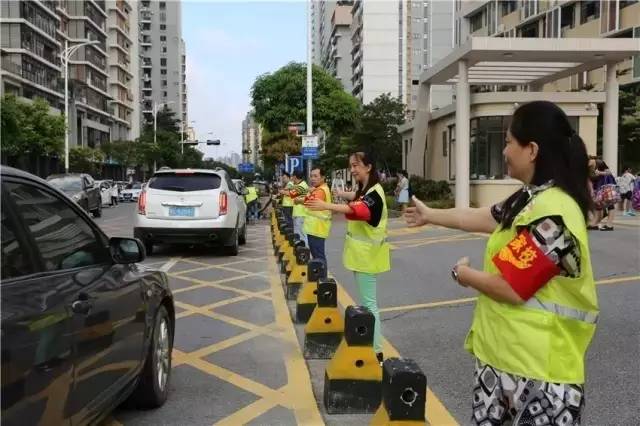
[(293, 163)]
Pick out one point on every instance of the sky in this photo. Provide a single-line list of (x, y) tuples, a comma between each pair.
[(229, 44)]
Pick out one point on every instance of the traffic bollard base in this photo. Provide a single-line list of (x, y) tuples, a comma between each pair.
[(404, 389), (381, 418), (321, 345), (304, 311), (292, 290), (345, 396)]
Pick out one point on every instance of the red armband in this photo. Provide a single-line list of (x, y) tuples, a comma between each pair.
[(524, 266), (360, 211)]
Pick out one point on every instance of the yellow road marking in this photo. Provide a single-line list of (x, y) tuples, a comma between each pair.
[(217, 347), (437, 414), (299, 388), (218, 285), (225, 302), (468, 300), (248, 413)]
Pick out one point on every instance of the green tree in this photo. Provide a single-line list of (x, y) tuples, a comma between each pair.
[(83, 159), (280, 98), (213, 164), (125, 153), (629, 126), (30, 128), (377, 130)]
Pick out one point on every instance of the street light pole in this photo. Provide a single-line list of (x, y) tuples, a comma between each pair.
[(65, 56), (309, 82)]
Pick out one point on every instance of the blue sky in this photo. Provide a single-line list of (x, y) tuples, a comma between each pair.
[(228, 45)]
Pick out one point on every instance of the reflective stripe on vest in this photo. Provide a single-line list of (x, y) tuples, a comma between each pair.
[(299, 210), (565, 311)]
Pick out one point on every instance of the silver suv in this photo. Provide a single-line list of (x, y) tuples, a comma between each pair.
[(191, 206)]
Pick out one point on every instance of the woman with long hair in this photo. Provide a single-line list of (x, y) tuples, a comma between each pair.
[(366, 251), (537, 305)]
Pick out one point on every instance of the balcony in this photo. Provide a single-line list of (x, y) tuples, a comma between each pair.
[(146, 63), (146, 41), (145, 16)]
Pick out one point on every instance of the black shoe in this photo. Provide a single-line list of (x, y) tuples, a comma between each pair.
[(380, 358), (593, 227), (606, 228)]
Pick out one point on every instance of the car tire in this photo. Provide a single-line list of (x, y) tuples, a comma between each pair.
[(98, 211), (243, 236), (153, 386), (148, 247), (234, 248)]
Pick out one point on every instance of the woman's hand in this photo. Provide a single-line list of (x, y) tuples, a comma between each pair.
[(418, 215), (316, 205), (461, 265), (336, 193)]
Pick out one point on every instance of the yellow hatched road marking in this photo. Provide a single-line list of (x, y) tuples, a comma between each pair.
[(248, 413), (218, 285), (437, 414)]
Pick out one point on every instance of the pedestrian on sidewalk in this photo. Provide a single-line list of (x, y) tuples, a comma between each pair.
[(626, 183), (114, 193), (537, 306), (402, 190), (297, 194), (366, 251), (317, 224), (287, 202), (606, 196)]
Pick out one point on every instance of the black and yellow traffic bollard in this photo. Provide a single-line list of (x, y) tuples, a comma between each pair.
[(353, 376), (307, 296), (298, 274), (285, 248), (325, 328), (404, 393), (290, 257)]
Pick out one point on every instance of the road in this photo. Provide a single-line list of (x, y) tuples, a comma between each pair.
[(237, 359)]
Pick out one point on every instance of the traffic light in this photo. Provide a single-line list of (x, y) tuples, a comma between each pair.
[(190, 143), (213, 142)]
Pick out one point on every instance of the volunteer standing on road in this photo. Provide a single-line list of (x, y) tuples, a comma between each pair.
[(366, 251), (537, 309), (299, 191), (317, 224), (287, 202)]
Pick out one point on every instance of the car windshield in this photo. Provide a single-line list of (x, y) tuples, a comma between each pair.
[(67, 183), (185, 182), (134, 186)]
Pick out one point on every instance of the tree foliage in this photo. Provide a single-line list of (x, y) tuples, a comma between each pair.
[(30, 128), (83, 159), (629, 126)]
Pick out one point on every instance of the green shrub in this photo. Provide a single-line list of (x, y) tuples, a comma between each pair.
[(392, 204), (427, 189), (389, 185)]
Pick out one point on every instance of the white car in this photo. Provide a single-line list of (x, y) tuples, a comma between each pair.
[(191, 206), (131, 192), (105, 191)]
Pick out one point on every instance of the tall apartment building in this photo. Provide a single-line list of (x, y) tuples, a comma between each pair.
[(162, 51), (30, 45), (384, 46), (555, 19), (123, 69), (251, 140)]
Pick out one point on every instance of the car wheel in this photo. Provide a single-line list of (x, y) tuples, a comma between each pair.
[(153, 387), (148, 247), (243, 236), (98, 211), (234, 249)]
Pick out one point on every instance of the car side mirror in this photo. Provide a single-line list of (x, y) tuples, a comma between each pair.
[(126, 250)]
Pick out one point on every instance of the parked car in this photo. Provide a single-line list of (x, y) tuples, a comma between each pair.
[(81, 188), (131, 192), (105, 190), (83, 326), (191, 206)]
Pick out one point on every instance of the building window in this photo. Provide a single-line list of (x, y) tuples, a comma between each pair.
[(163, 72), (529, 8), (163, 27), (492, 17), (509, 6), (487, 143), (589, 10), (163, 5), (445, 143), (163, 38), (476, 21), (164, 94), (163, 62), (609, 17), (530, 30), (164, 49), (566, 17), (163, 17), (163, 83), (452, 152)]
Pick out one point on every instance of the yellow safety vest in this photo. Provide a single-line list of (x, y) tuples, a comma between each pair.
[(365, 247), (299, 210), (547, 337), (286, 200), (316, 223), (251, 195)]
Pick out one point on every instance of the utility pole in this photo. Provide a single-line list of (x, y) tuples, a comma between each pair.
[(309, 82)]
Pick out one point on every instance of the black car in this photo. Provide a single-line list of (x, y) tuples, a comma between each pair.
[(84, 327), (81, 188)]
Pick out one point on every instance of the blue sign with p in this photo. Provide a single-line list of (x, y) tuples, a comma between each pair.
[(294, 163)]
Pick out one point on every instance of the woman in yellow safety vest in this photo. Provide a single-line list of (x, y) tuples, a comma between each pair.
[(537, 308), (366, 251), (317, 224)]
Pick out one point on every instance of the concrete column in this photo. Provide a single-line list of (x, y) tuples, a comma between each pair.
[(463, 149), (610, 121), (416, 160)]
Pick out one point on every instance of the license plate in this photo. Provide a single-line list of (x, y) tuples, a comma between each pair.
[(181, 211), (127, 195)]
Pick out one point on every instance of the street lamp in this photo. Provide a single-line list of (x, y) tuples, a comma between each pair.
[(156, 108), (65, 56)]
